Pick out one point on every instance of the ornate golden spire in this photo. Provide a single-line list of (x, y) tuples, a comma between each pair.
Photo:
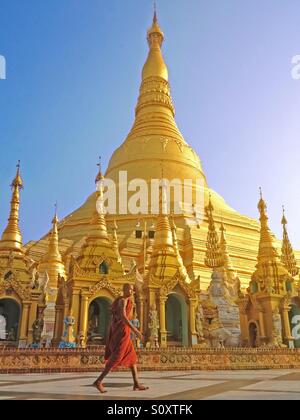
[(52, 262), (11, 237), (287, 255), (155, 89), (213, 252), (99, 176), (53, 254), (224, 250), (99, 228), (267, 249), (270, 275)]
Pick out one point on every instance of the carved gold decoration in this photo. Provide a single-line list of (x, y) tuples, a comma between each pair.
[(88, 360), (166, 289), (104, 284), (16, 286)]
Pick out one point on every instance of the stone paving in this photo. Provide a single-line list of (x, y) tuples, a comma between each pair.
[(184, 385)]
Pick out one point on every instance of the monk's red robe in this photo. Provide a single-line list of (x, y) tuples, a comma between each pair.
[(119, 349)]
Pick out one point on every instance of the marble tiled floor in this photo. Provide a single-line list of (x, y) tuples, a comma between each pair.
[(194, 385)]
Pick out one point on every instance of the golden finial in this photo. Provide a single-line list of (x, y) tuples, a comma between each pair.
[(99, 176), (53, 254), (55, 218), (18, 182), (283, 221), (210, 206), (155, 65), (262, 206)]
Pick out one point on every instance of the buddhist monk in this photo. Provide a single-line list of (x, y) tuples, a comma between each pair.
[(119, 349)]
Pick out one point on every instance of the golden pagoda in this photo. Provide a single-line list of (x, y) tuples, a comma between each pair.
[(264, 311), (153, 140), (80, 266), (95, 278)]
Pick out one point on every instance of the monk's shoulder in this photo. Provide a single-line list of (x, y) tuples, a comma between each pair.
[(122, 301)]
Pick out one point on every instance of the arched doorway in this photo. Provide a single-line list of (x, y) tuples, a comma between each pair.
[(253, 334), (99, 320), (176, 320), (9, 320)]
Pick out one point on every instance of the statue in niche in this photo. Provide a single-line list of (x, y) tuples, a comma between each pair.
[(37, 329), (3, 325), (199, 323), (277, 329), (68, 339)]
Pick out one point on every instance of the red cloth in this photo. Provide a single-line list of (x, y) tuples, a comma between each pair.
[(119, 349)]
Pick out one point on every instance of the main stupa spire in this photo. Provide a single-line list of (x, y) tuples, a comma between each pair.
[(154, 135), (155, 65)]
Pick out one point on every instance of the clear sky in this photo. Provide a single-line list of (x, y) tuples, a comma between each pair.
[(73, 74)]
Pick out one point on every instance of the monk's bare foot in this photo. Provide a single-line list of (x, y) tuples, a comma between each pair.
[(100, 387), (139, 387)]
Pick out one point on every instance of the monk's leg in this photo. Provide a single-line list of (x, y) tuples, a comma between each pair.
[(99, 382), (136, 383)]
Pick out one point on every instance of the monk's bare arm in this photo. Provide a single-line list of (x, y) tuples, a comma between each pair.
[(123, 315)]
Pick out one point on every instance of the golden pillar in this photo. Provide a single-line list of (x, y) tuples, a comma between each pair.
[(32, 317), (244, 327), (24, 322), (58, 326), (286, 325), (84, 310), (162, 318), (75, 309), (262, 325), (141, 315), (193, 333)]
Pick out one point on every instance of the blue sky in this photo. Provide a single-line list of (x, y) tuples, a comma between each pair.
[(73, 74)]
